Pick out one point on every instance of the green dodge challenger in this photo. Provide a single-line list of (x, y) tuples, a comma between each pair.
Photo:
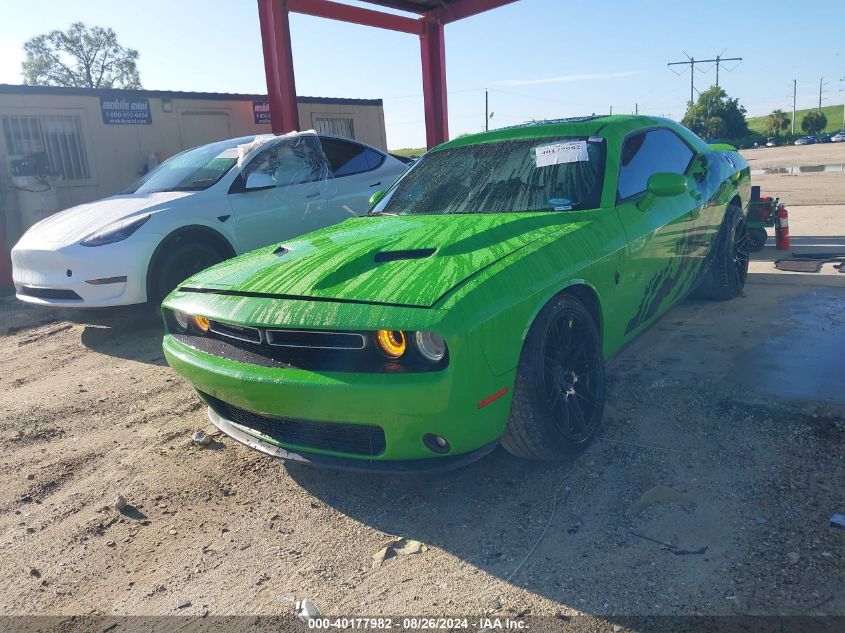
[(474, 305)]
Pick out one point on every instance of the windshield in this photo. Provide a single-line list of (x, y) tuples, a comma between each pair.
[(549, 174), (193, 170)]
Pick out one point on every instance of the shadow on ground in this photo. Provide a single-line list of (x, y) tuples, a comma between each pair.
[(675, 508)]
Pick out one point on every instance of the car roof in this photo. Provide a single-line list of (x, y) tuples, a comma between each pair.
[(606, 125), (244, 140)]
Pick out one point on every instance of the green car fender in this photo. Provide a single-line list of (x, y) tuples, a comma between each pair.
[(583, 256)]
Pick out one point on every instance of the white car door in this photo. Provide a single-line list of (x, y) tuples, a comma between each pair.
[(281, 193), (358, 173)]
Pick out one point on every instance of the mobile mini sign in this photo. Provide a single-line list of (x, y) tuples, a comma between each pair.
[(121, 111), (261, 111)]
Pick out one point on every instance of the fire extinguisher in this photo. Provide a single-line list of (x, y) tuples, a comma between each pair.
[(782, 228)]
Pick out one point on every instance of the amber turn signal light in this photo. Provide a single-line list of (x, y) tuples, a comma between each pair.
[(391, 342), (201, 323)]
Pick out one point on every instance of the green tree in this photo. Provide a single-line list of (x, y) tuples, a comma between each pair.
[(715, 127), (814, 122), (714, 103), (777, 122), (80, 57)]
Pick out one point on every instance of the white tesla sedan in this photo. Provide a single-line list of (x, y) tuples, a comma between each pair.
[(198, 208)]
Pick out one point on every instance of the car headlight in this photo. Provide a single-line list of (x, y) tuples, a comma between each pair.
[(181, 320), (428, 346), (431, 346), (391, 342), (115, 232)]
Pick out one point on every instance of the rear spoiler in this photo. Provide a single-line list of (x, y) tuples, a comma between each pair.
[(722, 147)]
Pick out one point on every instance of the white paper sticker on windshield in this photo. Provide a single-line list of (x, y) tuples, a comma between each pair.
[(559, 153), (231, 152)]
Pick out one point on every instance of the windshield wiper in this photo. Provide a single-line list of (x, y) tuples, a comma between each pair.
[(374, 213)]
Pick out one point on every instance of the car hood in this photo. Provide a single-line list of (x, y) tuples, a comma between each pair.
[(400, 260), (75, 224)]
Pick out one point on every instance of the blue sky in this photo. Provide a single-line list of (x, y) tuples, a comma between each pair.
[(538, 58)]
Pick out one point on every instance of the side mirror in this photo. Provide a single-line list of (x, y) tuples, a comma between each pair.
[(662, 185), (666, 185), (374, 199)]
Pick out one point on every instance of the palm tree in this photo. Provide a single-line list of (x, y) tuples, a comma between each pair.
[(777, 122)]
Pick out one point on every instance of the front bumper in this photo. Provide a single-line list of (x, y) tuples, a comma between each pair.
[(61, 276), (405, 406), (408, 466)]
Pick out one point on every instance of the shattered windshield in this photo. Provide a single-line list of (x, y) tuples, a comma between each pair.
[(549, 174)]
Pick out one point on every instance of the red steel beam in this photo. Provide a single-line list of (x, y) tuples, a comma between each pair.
[(278, 65), (465, 8), (356, 15), (433, 52)]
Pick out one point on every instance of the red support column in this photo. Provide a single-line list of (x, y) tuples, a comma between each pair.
[(433, 50), (278, 65)]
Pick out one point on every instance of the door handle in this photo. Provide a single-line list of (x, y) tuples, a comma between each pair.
[(313, 195), (376, 184)]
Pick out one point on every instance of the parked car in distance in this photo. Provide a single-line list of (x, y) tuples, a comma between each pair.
[(771, 142), (475, 304), (196, 209), (822, 138), (839, 137), (805, 140)]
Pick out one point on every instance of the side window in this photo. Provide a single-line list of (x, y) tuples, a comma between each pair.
[(286, 164), (349, 158), (650, 153), (374, 158)]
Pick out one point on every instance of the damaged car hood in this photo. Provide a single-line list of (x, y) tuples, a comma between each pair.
[(399, 260)]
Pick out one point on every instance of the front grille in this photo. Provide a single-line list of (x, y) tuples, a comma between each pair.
[(49, 293), (354, 439), (314, 339), (278, 350), (238, 332)]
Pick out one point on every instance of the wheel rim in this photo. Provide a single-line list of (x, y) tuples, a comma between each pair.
[(189, 262), (740, 253), (572, 376)]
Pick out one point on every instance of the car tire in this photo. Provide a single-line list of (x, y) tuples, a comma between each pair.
[(726, 268), (756, 240), (558, 397), (176, 264)]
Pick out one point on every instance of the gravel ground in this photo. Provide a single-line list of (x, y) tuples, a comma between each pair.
[(709, 491)]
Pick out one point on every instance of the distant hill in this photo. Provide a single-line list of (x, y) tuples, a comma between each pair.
[(409, 152), (832, 112)]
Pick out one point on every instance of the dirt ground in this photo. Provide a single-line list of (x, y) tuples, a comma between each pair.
[(710, 490)]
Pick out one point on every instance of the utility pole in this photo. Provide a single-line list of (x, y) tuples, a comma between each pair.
[(821, 84), (636, 108), (718, 60), (794, 92), (486, 111), (691, 61), (843, 108), (611, 110)]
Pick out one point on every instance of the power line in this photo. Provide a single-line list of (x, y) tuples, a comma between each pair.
[(691, 62)]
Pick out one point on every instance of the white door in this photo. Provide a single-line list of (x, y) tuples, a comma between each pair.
[(198, 127), (281, 193)]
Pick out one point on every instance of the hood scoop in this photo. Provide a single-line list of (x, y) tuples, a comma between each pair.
[(392, 256), (281, 250)]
